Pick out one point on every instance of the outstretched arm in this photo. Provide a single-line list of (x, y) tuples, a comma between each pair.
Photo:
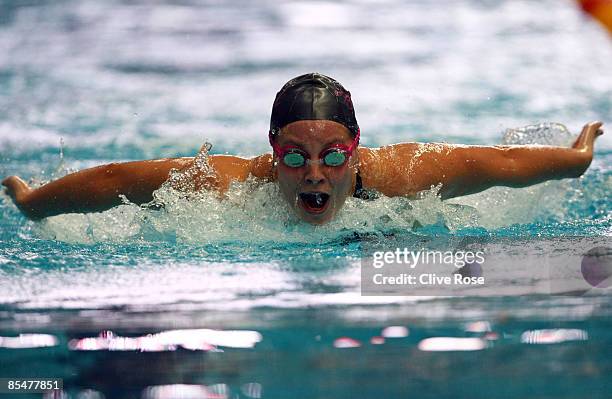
[(99, 188), (93, 190), (409, 168)]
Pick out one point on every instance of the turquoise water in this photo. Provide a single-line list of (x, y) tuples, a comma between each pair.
[(128, 80)]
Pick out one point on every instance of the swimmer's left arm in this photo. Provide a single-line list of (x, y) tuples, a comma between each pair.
[(463, 170), (522, 166)]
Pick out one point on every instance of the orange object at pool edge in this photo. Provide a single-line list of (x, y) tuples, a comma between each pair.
[(600, 10)]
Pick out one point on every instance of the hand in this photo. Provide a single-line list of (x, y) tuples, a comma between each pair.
[(18, 190), (587, 137), (584, 146)]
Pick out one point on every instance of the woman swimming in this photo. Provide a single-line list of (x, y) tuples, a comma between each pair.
[(317, 163)]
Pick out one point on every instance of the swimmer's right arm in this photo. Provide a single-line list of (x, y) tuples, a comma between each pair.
[(93, 190), (98, 189)]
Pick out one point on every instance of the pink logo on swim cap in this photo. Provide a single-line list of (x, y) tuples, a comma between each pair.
[(346, 96)]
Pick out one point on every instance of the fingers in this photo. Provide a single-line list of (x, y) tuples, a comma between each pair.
[(20, 191), (590, 131), (5, 182), (15, 187), (13, 181), (595, 131), (595, 128), (595, 124), (9, 184)]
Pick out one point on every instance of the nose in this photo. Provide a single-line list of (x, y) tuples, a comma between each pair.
[(314, 174)]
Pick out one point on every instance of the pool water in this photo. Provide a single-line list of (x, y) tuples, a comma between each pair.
[(237, 298)]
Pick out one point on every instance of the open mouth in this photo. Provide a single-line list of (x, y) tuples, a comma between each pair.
[(314, 202)]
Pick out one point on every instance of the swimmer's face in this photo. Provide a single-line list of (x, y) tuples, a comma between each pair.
[(315, 191)]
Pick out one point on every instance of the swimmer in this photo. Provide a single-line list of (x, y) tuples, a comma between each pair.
[(317, 163)]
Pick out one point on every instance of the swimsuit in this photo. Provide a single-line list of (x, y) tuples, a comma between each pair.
[(363, 193)]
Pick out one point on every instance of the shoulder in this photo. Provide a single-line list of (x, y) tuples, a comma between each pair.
[(261, 166), (388, 152), (387, 169), (239, 168), (389, 157)]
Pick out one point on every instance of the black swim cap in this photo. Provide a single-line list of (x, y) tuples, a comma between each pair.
[(312, 97)]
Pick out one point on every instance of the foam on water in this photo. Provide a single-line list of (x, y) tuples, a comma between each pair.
[(252, 213)]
